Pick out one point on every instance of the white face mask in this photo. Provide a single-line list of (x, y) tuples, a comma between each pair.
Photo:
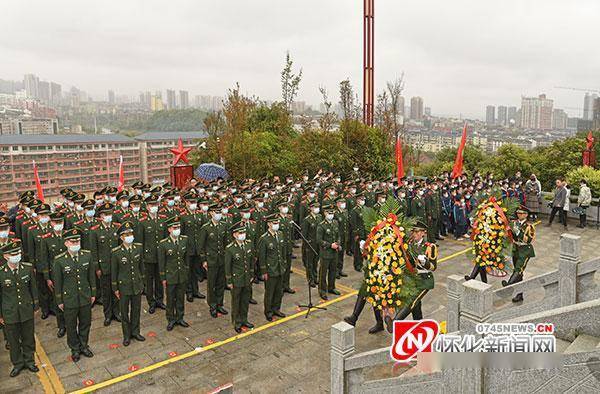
[(233, 190), (79, 208), (112, 199), (90, 213), (261, 204), (177, 198), (311, 195), (4, 234), (210, 194), (34, 215), (248, 196), (138, 192), (71, 204), (355, 169), (44, 219), (146, 195), (238, 200), (316, 210), (107, 219), (27, 210), (153, 209), (58, 227), (170, 203), (204, 208), (176, 232), (217, 217), (100, 201), (285, 210), (225, 211), (135, 209), (246, 215), (215, 188), (241, 237), (343, 206), (193, 207), (15, 259), (125, 204), (128, 239), (74, 248), (329, 217), (275, 227), (361, 202)]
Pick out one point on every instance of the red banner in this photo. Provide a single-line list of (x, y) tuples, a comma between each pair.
[(457, 170), (38, 184), (399, 161), (121, 184)]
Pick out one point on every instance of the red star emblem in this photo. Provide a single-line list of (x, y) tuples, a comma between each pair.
[(180, 153)]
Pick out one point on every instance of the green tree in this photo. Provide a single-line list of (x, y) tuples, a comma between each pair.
[(290, 82)]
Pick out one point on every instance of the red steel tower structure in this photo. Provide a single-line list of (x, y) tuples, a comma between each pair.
[(368, 61)]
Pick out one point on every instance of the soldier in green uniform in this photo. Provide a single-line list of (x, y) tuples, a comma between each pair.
[(77, 214), (310, 248), (212, 242), (192, 220), (251, 238), (134, 215), (239, 271), (328, 239), (286, 229), (74, 286), (423, 256), (126, 271), (523, 236), (122, 207), (341, 217), (103, 239), (85, 225), (34, 240), (258, 215), (170, 209), (52, 245), (23, 214), (18, 299), (358, 230), (152, 231), (174, 266), (272, 266)]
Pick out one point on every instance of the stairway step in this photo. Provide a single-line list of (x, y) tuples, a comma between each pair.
[(561, 345), (583, 343)]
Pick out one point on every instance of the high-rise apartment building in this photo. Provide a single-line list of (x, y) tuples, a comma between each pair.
[(490, 115), (502, 119), (171, 101), (536, 112), (156, 103), (512, 115), (111, 97), (31, 83), (55, 94), (559, 119), (184, 99), (588, 106), (416, 108)]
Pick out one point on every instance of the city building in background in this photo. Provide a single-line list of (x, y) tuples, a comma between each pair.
[(490, 115), (536, 112), (588, 105), (171, 101), (184, 99), (111, 97), (512, 116), (502, 119), (156, 103), (22, 126), (559, 119), (416, 108)]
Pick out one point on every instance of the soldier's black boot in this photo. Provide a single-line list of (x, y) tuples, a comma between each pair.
[(379, 325), (400, 315), (358, 307), (473, 273), (514, 278)]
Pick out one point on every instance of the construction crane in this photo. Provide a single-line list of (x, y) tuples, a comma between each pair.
[(578, 89)]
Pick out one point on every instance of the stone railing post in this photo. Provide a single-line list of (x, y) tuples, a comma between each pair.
[(570, 257), (342, 346), (475, 304), (454, 290)]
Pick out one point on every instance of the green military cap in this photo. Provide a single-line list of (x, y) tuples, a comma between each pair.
[(314, 204), (79, 198), (14, 246), (151, 199), (156, 189), (106, 207), (111, 190), (522, 209), (168, 193), (419, 226), (340, 199), (135, 198), (190, 196), (65, 191), (42, 208), (4, 221), (126, 227), (328, 207), (69, 195), (283, 202), (237, 227), (146, 186), (72, 234), (58, 215), (272, 217), (88, 204), (122, 193), (99, 193), (27, 193), (167, 186), (173, 221), (214, 206), (26, 199), (102, 191), (34, 203), (245, 207), (137, 184)]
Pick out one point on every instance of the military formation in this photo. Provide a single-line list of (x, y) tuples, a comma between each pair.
[(156, 244)]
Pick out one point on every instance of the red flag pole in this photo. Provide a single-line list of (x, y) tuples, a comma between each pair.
[(38, 184), (121, 184), (457, 170), (399, 161)]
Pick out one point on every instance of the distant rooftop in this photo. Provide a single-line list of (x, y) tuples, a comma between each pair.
[(53, 139), (170, 135)]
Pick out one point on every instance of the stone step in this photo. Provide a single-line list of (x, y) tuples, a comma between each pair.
[(583, 343), (561, 345)]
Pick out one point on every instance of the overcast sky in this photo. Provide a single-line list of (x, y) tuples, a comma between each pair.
[(458, 55)]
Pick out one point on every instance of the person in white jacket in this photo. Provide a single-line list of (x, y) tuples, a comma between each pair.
[(583, 202)]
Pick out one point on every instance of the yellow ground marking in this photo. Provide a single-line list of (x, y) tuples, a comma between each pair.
[(203, 349), (47, 374)]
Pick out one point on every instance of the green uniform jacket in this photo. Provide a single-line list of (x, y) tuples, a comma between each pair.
[(239, 264), (103, 239), (258, 216), (309, 229), (357, 223), (424, 269), (251, 235), (85, 226), (418, 207), (34, 241), (174, 260), (191, 223), (286, 230), (134, 219), (74, 282), (328, 233), (212, 242), (52, 245), (523, 236), (270, 254), (72, 218), (343, 224), (127, 274), (18, 294), (152, 231)]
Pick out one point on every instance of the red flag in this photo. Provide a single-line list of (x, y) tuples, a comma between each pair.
[(590, 141), (457, 170), (38, 184), (588, 153), (121, 184), (399, 161)]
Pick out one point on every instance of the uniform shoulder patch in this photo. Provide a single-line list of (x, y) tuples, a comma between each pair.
[(95, 227), (19, 216), (229, 244), (63, 254), (162, 216), (27, 265), (79, 222), (116, 248), (163, 240), (31, 227), (47, 235)]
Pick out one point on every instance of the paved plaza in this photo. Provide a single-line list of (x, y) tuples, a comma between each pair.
[(287, 355)]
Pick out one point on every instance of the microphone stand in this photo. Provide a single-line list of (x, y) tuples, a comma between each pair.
[(310, 304)]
